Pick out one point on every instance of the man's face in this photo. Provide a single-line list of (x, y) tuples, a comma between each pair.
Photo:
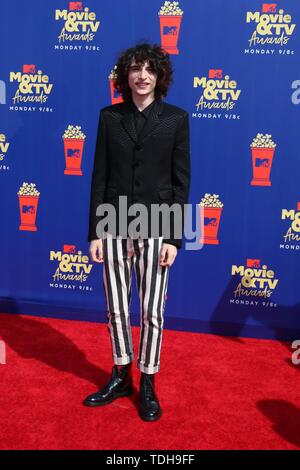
[(141, 78)]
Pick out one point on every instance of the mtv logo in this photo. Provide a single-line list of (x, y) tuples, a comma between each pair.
[(210, 221), (253, 263), (28, 68), (269, 7), (28, 209), (75, 6), (265, 162), (215, 73), (169, 30), (298, 206), (73, 153), (69, 249)]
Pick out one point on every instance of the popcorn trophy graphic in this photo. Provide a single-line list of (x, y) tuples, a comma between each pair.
[(263, 149), (170, 16), (28, 201), (210, 215), (115, 96), (74, 140)]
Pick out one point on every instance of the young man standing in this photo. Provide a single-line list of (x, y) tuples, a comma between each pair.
[(143, 153)]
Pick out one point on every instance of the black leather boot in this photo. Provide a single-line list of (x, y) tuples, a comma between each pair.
[(149, 407), (119, 385)]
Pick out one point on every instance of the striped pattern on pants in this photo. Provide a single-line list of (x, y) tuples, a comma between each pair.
[(119, 256)]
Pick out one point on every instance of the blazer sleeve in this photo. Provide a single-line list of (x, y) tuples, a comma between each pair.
[(98, 180), (180, 174)]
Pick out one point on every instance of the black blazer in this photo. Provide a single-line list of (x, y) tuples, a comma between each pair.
[(151, 168)]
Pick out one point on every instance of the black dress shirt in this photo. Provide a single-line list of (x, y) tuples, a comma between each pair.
[(140, 117)]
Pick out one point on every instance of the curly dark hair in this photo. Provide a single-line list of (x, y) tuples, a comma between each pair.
[(158, 59)]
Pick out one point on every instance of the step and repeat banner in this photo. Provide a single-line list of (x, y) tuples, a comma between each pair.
[(236, 72)]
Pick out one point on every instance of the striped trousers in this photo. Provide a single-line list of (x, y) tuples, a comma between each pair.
[(120, 255)]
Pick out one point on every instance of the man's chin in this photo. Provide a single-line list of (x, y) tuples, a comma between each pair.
[(144, 92)]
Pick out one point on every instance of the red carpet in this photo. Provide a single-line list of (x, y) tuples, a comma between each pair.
[(216, 392)]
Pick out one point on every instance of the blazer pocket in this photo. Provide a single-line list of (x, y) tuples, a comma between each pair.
[(165, 194)]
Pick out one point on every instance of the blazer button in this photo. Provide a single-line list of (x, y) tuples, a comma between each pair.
[(138, 147)]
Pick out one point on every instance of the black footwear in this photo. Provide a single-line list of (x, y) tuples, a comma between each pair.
[(119, 385), (149, 407)]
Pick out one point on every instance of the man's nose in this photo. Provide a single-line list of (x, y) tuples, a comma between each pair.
[(143, 73)]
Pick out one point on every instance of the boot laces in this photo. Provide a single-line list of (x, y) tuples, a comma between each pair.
[(148, 388)]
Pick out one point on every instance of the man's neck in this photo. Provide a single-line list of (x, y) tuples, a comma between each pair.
[(142, 102)]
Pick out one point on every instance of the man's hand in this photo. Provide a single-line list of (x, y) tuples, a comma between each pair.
[(96, 251), (167, 254)]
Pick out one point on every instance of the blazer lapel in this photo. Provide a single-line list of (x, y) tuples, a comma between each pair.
[(153, 121)]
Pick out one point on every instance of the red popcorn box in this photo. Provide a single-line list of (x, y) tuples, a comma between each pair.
[(169, 32), (253, 263), (115, 96), (298, 206), (269, 7), (262, 159), (28, 210), (73, 149), (28, 68), (215, 73), (210, 221)]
